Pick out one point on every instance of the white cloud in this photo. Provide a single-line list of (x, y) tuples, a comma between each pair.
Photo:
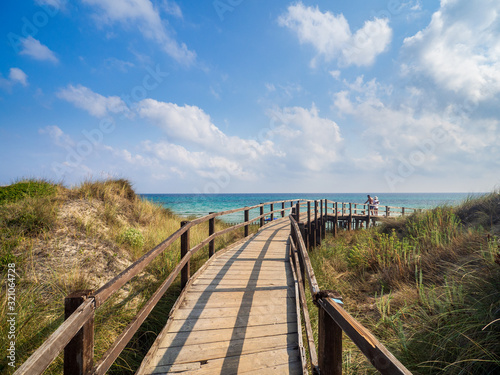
[(146, 17), (332, 38), (58, 136), (393, 129), (17, 75), (309, 141), (33, 48), (172, 8), (95, 104), (190, 124), (335, 74), (460, 49)]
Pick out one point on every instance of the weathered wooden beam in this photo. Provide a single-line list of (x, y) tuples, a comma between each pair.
[(38, 362), (211, 230), (261, 213), (377, 354), (316, 226), (185, 273), (305, 311), (329, 344), (349, 221), (246, 218), (121, 341), (311, 278), (308, 238), (79, 353)]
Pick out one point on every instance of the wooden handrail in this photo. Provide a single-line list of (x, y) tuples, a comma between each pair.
[(311, 278), (383, 360), (313, 356), (49, 350)]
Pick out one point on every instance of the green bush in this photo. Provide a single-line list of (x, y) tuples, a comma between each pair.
[(132, 237), (25, 189)]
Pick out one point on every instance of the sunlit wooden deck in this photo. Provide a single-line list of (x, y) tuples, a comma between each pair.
[(237, 315)]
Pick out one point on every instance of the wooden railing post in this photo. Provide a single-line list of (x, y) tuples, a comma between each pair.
[(369, 214), (211, 230), (272, 209), (325, 219), (283, 209), (403, 211), (349, 222), (309, 232), (261, 213), (387, 211), (336, 219), (246, 218), (185, 273), (79, 353), (297, 212), (302, 228), (329, 345), (321, 220), (316, 226)]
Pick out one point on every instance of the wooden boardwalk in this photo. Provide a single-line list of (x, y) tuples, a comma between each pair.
[(238, 314)]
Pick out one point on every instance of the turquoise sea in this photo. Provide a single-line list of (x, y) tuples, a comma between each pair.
[(196, 205)]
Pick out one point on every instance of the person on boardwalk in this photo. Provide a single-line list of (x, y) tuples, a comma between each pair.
[(376, 202), (370, 203)]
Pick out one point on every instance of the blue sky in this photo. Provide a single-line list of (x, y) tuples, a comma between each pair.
[(251, 95)]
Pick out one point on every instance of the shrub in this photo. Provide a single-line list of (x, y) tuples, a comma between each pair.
[(25, 189), (132, 237)]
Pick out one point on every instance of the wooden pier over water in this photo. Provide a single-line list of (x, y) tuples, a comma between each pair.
[(242, 311)]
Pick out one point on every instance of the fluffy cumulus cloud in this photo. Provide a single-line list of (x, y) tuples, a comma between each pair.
[(399, 132), (33, 48), (16, 76), (95, 104), (58, 136), (144, 15), (191, 125), (460, 49), (332, 37), (311, 143)]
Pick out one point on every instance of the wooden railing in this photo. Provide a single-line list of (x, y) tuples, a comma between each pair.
[(332, 318), (76, 334)]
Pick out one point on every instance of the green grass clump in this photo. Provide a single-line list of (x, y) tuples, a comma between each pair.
[(133, 237), (25, 189)]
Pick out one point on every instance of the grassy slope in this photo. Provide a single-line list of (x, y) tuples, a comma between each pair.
[(62, 240), (427, 286)]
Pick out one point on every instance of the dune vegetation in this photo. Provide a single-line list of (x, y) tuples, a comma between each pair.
[(66, 239), (427, 285)]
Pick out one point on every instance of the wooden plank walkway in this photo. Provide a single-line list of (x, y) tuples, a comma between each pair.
[(238, 314)]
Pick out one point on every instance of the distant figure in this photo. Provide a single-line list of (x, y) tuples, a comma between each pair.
[(370, 204), (375, 205)]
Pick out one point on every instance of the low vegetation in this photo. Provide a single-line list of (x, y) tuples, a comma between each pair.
[(428, 286), (66, 239)]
